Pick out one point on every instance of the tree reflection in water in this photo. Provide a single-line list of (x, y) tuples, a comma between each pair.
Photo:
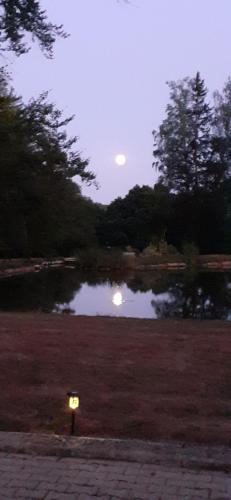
[(202, 295), (46, 291), (188, 295), (175, 295)]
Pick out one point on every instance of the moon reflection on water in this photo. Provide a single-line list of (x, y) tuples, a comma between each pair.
[(117, 299)]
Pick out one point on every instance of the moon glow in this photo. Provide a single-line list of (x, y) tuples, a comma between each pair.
[(117, 299), (120, 159)]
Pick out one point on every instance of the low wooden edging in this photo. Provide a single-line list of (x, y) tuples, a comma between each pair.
[(9, 272), (72, 262)]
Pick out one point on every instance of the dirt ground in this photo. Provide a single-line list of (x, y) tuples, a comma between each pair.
[(136, 378)]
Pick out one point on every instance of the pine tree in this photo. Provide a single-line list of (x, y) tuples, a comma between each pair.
[(183, 152), (222, 127)]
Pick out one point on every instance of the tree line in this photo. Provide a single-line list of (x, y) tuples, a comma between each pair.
[(191, 202), (42, 210)]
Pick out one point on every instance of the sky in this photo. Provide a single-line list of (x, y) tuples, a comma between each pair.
[(111, 73)]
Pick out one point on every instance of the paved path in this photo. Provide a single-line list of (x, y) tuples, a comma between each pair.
[(52, 478), (52, 467)]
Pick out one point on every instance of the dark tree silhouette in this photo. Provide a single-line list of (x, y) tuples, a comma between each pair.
[(19, 18)]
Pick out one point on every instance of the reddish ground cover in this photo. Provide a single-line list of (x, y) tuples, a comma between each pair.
[(136, 378)]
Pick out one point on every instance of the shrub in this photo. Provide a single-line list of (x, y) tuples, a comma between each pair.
[(150, 251), (171, 250), (95, 258), (191, 253)]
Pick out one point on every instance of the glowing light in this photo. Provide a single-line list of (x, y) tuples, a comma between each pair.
[(120, 160), (73, 405), (117, 299), (73, 401)]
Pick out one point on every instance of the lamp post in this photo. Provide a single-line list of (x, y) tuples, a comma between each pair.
[(73, 405)]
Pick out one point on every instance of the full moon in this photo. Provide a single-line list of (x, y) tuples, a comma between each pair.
[(120, 160)]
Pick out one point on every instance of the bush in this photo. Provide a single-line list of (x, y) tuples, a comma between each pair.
[(191, 253), (95, 258), (163, 247), (171, 250), (150, 251)]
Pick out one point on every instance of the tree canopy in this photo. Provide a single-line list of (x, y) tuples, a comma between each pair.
[(42, 211), (19, 18), (136, 219), (41, 208), (187, 150)]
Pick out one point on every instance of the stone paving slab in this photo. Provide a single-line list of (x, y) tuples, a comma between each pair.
[(26, 477), (51, 467)]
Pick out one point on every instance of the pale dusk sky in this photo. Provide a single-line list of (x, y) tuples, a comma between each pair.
[(112, 71)]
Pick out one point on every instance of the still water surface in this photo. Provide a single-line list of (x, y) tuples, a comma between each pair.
[(140, 295)]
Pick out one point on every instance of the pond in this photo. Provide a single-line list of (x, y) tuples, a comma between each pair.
[(154, 295)]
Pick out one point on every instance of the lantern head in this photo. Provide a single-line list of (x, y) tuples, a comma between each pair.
[(73, 400)]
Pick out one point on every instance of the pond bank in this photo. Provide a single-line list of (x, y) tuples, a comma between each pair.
[(15, 267)]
